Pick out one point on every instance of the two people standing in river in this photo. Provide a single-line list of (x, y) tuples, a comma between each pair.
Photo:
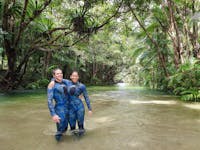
[(68, 106)]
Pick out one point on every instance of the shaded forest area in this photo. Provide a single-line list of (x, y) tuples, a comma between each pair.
[(153, 43)]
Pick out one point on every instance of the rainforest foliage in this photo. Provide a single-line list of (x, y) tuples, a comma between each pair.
[(153, 43)]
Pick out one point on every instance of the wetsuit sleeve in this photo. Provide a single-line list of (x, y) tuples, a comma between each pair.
[(50, 101), (66, 82), (87, 100)]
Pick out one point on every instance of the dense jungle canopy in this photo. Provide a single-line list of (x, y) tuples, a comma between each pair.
[(153, 43)]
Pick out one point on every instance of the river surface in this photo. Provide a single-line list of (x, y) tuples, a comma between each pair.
[(123, 119)]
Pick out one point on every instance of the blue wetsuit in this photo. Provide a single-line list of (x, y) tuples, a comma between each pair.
[(77, 110), (61, 108)]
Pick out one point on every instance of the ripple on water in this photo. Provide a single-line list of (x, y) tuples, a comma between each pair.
[(103, 119), (153, 102)]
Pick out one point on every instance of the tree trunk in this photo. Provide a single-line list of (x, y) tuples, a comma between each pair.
[(10, 77), (162, 61), (175, 37), (194, 35), (14, 73), (47, 59), (10, 51)]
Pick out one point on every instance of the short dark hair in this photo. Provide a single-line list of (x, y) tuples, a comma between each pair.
[(54, 70), (74, 71)]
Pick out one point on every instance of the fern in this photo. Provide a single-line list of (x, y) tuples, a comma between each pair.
[(189, 95)]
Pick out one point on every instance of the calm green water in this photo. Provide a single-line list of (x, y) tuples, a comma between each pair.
[(125, 118)]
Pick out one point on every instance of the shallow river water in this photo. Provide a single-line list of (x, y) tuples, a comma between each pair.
[(123, 119)]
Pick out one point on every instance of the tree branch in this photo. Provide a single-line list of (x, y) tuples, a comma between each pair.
[(55, 29), (21, 22), (56, 39), (108, 20), (60, 46), (163, 27), (36, 13)]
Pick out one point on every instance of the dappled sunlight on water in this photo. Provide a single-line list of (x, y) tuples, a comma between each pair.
[(193, 106)]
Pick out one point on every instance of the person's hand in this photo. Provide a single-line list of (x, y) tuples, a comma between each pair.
[(56, 119), (81, 96), (90, 113)]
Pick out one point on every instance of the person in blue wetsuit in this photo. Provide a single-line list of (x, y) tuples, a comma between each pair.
[(76, 107), (57, 91)]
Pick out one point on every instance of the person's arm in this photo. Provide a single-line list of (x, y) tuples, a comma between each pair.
[(50, 90), (87, 100), (66, 82), (50, 101)]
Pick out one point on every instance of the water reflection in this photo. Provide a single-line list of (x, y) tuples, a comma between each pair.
[(121, 84)]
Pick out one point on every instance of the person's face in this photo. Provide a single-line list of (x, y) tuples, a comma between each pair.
[(58, 75), (74, 77)]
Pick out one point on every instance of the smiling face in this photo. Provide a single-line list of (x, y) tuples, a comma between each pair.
[(74, 77), (58, 75)]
